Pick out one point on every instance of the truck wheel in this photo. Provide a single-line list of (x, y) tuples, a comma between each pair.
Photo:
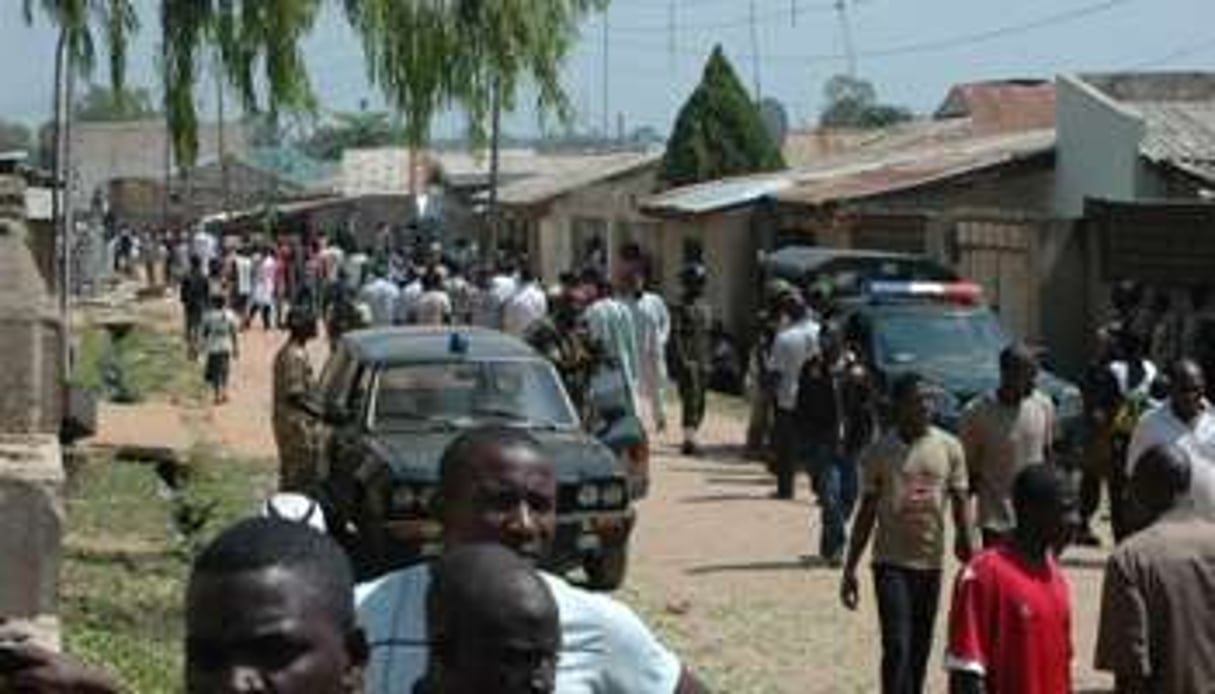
[(605, 570)]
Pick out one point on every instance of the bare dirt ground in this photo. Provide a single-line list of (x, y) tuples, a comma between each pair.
[(717, 567)]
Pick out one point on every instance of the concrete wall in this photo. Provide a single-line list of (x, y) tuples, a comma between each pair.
[(1097, 150), (555, 247), (136, 149), (731, 250)]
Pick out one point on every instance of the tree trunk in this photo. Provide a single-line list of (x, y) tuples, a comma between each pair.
[(495, 148)]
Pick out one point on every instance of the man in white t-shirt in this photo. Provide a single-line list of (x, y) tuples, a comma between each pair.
[(525, 306), (498, 485), (794, 345), (1184, 421)]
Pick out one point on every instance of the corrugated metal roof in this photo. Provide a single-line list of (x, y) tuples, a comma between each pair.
[(854, 178), (1002, 106), (569, 174), (715, 196), (1178, 111), (1181, 133), (860, 173), (386, 169)]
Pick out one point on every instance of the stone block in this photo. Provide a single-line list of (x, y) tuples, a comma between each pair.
[(31, 513)]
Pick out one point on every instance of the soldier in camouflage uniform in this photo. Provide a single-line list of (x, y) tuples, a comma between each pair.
[(690, 352), (293, 428)]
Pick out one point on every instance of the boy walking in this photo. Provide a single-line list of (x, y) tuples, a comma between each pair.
[(909, 475), (219, 329)]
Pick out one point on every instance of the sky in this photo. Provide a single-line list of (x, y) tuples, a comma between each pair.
[(912, 50)]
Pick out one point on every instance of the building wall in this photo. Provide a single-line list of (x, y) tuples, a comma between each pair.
[(1098, 148), (730, 253), (609, 209), (102, 152)]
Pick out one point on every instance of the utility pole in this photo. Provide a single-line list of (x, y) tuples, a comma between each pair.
[(759, 92), (841, 8), (605, 123), (223, 149), (67, 236), (167, 191), (671, 48)]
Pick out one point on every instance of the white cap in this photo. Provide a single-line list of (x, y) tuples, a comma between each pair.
[(296, 508)]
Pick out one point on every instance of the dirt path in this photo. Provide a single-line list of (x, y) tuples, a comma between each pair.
[(716, 566)]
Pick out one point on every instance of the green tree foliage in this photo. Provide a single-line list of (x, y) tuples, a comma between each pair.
[(349, 131), (427, 56), (256, 44), (77, 22), (853, 103), (719, 131), (100, 103), (15, 136)]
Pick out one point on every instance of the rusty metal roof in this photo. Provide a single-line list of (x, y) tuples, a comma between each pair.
[(1002, 106)]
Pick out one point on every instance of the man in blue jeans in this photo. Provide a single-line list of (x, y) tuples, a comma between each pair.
[(821, 421), (910, 474)]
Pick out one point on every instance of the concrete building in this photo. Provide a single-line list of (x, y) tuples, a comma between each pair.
[(103, 152)]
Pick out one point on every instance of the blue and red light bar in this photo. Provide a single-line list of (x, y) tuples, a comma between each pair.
[(967, 293)]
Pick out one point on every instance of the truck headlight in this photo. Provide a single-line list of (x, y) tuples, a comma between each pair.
[(588, 496), (612, 495)]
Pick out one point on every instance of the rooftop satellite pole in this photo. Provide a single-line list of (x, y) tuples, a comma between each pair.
[(605, 125), (759, 92), (841, 8)]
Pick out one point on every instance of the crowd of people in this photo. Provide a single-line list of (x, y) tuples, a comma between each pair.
[(271, 604)]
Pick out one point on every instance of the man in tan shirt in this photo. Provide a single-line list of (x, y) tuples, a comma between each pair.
[(1004, 432), (1157, 629), (910, 474)]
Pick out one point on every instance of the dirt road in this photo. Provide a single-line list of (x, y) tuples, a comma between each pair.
[(717, 567)]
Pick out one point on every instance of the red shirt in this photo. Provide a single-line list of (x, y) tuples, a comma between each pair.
[(1011, 623)]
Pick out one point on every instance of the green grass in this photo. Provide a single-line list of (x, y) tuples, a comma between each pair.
[(125, 564), (153, 363)]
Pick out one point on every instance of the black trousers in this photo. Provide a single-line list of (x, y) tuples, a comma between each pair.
[(791, 451), (691, 381), (907, 602)]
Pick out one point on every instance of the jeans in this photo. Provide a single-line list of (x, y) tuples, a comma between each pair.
[(907, 609), (835, 480)]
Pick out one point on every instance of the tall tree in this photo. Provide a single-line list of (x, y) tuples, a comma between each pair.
[(427, 56), (257, 45), (853, 102), (719, 131)]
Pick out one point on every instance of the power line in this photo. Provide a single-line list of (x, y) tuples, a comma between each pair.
[(751, 17), (1174, 55), (947, 42)]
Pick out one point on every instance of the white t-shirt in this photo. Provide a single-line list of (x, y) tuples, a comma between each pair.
[(790, 350), (524, 307), (432, 308), (1160, 426), (381, 297), (244, 274), (605, 648)]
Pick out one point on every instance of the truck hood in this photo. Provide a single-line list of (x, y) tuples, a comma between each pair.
[(577, 456)]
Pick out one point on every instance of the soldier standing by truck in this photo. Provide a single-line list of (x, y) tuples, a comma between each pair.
[(292, 426), (690, 352)]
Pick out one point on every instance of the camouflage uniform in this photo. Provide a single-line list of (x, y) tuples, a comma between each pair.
[(293, 430), (690, 353)]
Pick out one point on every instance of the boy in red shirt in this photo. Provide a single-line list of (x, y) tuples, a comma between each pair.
[(1010, 624)]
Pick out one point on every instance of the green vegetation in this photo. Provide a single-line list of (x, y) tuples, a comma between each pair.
[(126, 561), (853, 103), (103, 104), (152, 364), (719, 131)]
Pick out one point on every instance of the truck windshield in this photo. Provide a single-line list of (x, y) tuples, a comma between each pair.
[(526, 392), (939, 342)]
